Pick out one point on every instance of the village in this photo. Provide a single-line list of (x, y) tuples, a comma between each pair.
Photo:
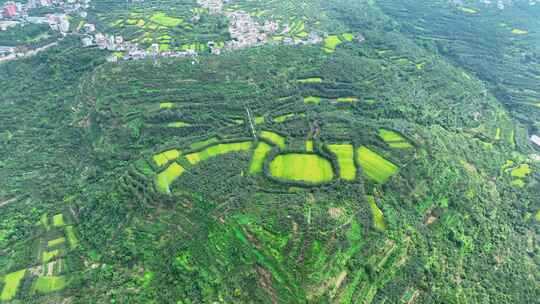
[(18, 14)]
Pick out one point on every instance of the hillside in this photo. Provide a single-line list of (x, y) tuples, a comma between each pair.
[(372, 152)]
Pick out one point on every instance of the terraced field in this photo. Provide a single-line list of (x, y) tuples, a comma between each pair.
[(309, 168)]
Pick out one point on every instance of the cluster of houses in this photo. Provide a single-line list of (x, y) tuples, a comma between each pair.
[(16, 13)]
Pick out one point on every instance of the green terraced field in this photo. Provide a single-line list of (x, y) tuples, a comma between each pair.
[(394, 140), (374, 166), (58, 220), (275, 138), (309, 168), (50, 284), (258, 158), (167, 177), (219, 149), (166, 156), (345, 157), (163, 19), (12, 282), (55, 242), (72, 238), (378, 216)]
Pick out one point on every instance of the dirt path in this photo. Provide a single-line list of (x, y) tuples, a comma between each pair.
[(6, 202)]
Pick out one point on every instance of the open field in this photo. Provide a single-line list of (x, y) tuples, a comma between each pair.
[(12, 282), (378, 216), (215, 150), (166, 156), (393, 139), (72, 238), (50, 284), (58, 220), (374, 166), (302, 167), (275, 138), (50, 255), (55, 242), (345, 157), (258, 157), (167, 177)]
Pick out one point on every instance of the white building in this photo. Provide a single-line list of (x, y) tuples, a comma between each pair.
[(536, 140)]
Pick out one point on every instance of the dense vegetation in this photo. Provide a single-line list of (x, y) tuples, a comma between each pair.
[(153, 182)]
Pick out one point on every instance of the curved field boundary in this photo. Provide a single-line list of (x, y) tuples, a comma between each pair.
[(310, 168), (12, 282), (345, 159), (374, 166), (166, 156), (167, 177), (274, 138)]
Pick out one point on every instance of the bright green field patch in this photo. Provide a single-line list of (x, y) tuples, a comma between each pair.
[(310, 168), (348, 37), (378, 216), (519, 32), (521, 171), (50, 284), (331, 43), (167, 177), (393, 139), (283, 118), (312, 100), (259, 155), (374, 166), (518, 183), (178, 124), (164, 157), (58, 220), (163, 19), (275, 138), (345, 157), (200, 144), (347, 99), (72, 238), (55, 242), (49, 255), (309, 146), (259, 120), (310, 80), (219, 149), (166, 105), (12, 282)]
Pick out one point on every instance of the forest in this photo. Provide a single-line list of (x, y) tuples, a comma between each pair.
[(396, 168)]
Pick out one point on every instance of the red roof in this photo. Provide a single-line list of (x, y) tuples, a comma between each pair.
[(10, 10)]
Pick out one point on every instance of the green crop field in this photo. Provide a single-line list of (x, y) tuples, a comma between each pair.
[(162, 19), (72, 238), (378, 216), (167, 177), (215, 150), (259, 156), (336, 151), (375, 166), (12, 282), (58, 220), (50, 284), (394, 140), (166, 156), (50, 255), (277, 139), (302, 167), (345, 157), (55, 242)]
